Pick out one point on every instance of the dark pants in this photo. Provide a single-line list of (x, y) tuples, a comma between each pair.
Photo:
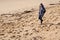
[(40, 17)]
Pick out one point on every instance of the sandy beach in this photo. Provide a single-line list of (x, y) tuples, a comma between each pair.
[(19, 20)]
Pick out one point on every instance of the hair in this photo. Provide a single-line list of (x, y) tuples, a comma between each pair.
[(41, 4)]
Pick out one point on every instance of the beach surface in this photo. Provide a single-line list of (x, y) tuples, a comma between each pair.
[(19, 20)]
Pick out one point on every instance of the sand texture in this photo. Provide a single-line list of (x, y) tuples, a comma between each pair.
[(25, 25)]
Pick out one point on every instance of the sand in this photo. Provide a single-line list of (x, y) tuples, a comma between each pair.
[(19, 20)]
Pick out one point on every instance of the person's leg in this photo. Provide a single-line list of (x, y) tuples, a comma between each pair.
[(41, 21), (40, 17)]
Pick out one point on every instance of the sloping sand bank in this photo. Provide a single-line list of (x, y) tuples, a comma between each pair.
[(26, 25)]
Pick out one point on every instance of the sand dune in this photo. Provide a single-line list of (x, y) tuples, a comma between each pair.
[(25, 25), (12, 5)]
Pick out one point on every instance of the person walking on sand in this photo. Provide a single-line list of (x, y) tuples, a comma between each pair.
[(42, 11)]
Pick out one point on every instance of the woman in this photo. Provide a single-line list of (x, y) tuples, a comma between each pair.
[(42, 11)]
